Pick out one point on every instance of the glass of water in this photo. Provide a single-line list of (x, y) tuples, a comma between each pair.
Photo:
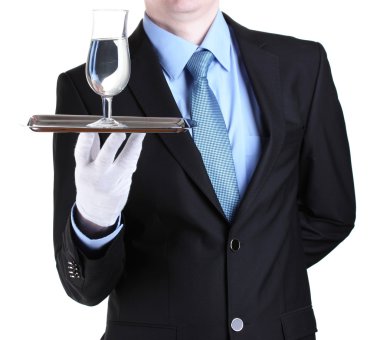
[(108, 64)]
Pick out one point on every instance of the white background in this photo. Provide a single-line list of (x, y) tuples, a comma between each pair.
[(40, 39)]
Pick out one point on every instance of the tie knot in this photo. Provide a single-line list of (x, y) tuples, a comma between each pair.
[(199, 63)]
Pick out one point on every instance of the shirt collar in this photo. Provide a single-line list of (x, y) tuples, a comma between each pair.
[(174, 52), (218, 41)]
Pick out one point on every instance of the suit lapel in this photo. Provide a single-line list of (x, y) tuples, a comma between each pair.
[(149, 87), (263, 71)]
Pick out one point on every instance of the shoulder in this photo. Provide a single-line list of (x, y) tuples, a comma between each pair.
[(287, 48), (74, 78), (76, 75), (72, 86)]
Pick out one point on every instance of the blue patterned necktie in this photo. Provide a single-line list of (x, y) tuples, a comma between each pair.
[(211, 136)]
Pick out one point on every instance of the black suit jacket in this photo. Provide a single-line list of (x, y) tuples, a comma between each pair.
[(171, 274)]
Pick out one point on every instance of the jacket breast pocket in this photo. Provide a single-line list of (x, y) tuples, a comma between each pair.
[(299, 324), (136, 331)]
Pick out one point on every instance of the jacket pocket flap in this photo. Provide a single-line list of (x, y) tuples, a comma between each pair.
[(298, 323)]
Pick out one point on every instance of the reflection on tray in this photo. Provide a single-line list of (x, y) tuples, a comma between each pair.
[(79, 123)]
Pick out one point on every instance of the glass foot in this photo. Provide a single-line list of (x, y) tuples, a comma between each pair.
[(106, 123)]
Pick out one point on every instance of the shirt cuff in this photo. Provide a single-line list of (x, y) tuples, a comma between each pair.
[(95, 244)]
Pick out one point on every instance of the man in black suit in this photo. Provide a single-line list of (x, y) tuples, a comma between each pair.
[(177, 265)]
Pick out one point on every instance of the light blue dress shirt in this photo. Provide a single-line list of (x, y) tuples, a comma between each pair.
[(228, 80)]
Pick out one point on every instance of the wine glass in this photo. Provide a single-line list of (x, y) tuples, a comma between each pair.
[(108, 64)]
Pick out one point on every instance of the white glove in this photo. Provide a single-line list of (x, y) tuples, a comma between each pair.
[(102, 182)]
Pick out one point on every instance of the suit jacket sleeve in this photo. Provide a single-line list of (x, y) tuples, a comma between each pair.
[(87, 276), (326, 198)]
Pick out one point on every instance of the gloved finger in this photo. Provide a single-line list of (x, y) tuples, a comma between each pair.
[(95, 148), (108, 151), (130, 154), (82, 152)]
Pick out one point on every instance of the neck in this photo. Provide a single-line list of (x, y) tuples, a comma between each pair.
[(192, 27)]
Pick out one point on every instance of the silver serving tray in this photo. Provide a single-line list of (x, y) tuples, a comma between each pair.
[(78, 123)]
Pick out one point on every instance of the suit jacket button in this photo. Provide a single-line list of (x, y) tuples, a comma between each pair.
[(235, 245), (237, 324)]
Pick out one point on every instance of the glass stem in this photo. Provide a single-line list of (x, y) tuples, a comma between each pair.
[(107, 107)]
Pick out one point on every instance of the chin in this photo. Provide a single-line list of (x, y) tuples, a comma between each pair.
[(188, 6)]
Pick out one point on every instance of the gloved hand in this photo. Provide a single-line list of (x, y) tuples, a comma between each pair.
[(103, 183)]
